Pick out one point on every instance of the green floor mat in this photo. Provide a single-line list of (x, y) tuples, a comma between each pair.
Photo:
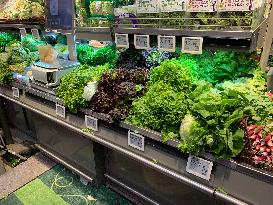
[(60, 186)]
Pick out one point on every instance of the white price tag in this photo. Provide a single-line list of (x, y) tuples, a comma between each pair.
[(84, 181), (54, 7), (136, 141), (122, 40), (199, 167), (35, 33), (142, 41), (172, 5), (166, 43), (147, 6), (202, 6), (23, 32), (60, 110), (15, 92), (91, 123), (193, 45), (235, 5)]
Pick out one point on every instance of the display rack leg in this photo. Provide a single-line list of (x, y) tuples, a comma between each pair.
[(99, 157), (267, 42), (4, 123), (71, 47)]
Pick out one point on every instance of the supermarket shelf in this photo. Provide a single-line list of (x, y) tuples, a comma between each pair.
[(94, 33), (13, 25), (157, 137), (158, 156), (197, 33)]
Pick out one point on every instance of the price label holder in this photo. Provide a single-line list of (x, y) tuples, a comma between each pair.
[(122, 40), (60, 111), (91, 123), (142, 41), (84, 181), (35, 33), (166, 43), (23, 32), (136, 141), (193, 45), (199, 167), (15, 92)]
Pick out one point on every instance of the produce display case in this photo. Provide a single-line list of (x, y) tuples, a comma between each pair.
[(210, 15)]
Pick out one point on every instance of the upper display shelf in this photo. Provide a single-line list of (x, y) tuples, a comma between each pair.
[(171, 15), (21, 13)]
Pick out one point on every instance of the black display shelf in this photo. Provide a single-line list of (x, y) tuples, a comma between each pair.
[(94, 33), (159, 156)]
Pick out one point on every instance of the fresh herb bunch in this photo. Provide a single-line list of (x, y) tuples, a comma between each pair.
[(219, 66), (6, 38), (93, 57), (72, 85), (116, 91), (131, 58)]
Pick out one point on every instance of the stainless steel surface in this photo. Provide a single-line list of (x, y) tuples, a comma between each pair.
[(51, 155), (131, 190)]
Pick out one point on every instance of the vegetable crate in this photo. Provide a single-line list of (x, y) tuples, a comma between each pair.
[(231, 15)]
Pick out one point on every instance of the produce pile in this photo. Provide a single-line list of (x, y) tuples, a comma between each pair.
[(215, 102), (15, 56), (20, 10)]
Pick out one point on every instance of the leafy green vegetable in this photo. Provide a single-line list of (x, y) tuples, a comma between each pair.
[(219, 66), (260, 109), (5, 74), (31, 43), (219, 112), (162, 108), (72, 85), (172, 73), (93, 57), (193, 138), (116, 91)]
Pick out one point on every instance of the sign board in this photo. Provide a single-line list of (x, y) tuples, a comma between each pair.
[(91, 123), (166, 43), (35, 33), (192, 45), (199, 167), (122, 40), (60, 111), (202, 5), (173, 5), (147, 6), (136, 141), (59, 14), (23, 32), (15, 92), (235, 5), (142, 41)]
